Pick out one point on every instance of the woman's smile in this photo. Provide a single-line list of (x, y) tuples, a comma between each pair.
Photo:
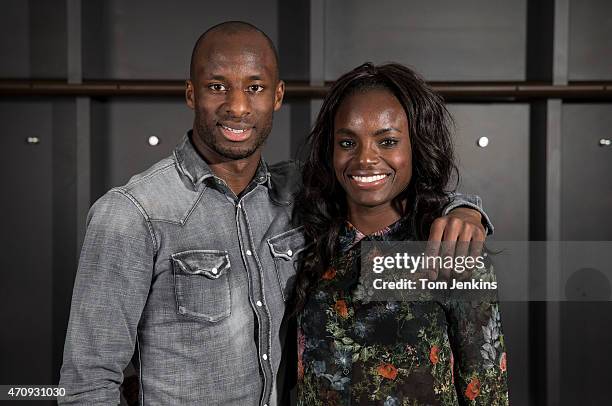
[(371, 181), (372, 154)]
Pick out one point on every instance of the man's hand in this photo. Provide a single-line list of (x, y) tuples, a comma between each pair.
[(456, 234)]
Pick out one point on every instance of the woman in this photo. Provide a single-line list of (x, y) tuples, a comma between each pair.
[(381, 158)]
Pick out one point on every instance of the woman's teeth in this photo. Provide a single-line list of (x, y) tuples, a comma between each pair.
[(368, 179)]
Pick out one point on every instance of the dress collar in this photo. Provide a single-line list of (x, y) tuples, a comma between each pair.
[(350, 235)]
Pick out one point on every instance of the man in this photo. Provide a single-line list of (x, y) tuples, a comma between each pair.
[(190, 265)]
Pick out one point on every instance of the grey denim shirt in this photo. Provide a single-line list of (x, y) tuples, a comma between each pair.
[(191, 279)]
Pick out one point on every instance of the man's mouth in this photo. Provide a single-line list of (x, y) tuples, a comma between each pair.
[(235, 134)]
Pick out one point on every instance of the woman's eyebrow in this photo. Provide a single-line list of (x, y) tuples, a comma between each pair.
[(344, 131), (386, 130)]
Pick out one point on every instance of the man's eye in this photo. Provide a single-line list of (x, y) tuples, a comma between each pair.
[(389, 142), (255, 88), (217, 87), (346, 144)]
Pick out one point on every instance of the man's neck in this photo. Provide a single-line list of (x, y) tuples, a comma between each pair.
[(237, 173)]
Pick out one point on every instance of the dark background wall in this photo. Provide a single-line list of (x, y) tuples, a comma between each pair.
[(543, 175)]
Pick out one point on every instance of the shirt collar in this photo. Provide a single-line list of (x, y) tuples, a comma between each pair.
[(191, 164)]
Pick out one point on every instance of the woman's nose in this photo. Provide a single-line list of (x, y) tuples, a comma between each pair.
[(367, 155)]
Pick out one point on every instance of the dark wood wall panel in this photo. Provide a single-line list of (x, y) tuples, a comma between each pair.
[(499, 172), (586, 172), (443, 40), (590, 40), (153, 39), (586, 205), (26, 240), (32, 39)]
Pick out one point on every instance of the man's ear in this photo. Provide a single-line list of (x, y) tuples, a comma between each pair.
[(189, 94), (278, 95)]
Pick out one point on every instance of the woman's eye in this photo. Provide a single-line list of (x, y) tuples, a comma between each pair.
[(216, 87), (255, 88), (388, 142), (346, 144)]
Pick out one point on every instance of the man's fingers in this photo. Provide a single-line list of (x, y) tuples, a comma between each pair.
[(463, 245), (476, 248), (449, 241), (434, 244)]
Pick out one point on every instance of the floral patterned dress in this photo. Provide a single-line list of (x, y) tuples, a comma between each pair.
[(395, 353)]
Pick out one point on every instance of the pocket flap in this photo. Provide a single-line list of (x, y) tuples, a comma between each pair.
[(209, 263), (288, 244)]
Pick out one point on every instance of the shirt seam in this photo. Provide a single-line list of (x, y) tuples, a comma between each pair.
[(164, 168), (143, 213)]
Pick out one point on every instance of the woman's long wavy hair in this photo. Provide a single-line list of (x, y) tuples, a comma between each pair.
[(321, 204)]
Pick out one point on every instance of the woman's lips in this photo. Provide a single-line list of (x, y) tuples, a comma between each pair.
[(235, 134), (369, 181)]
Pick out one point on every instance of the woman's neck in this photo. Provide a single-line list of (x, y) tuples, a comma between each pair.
[(369, 220)]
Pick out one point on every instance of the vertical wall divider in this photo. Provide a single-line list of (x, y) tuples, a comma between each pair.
[(294, 59), (83, 166), (72, 182), (83, 117), (553, 203), (317, 52), (553, 260)]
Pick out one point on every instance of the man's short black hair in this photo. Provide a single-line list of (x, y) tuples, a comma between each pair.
[(232, 27)]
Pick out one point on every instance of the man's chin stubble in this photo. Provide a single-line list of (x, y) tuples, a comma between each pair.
[(230, 153)]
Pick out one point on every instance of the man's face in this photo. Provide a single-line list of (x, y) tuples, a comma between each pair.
[(234, 94)]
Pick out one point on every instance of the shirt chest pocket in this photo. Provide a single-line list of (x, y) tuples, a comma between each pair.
[(201, 284), (285, 248)]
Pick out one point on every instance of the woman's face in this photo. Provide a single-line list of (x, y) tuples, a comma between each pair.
[(372, 155)]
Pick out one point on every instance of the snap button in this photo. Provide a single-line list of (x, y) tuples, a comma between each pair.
[(265, 357), (259, 303), (289, 252), (214, 270), (249, 252)]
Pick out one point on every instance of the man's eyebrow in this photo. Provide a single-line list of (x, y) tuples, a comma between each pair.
[(386, 130), (221, 77)]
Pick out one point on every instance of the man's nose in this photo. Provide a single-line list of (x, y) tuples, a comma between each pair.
[(237, 103)]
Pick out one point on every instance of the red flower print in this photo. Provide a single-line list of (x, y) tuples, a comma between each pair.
[(433, 354), (341, 308), (502, 362), (473, 389), (452, 365), (387, 371), (329, 274)]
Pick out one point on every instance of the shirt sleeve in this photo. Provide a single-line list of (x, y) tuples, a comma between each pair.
[(479, 352), (471, 201), (110, 291)]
